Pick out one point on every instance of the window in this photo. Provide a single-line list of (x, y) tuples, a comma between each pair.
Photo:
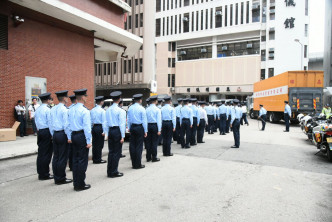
[(136, 2), (180, 22), (305, 68), (141, 1), (171, 80), (114, 68), (176, 24), (186, 3), (306, 7), (141, 20), (272, 14), (125, 25), (211, 18), (247, 14), (242, 5), (262, 74), (231, 16), (171, 25), (226, 15), (202, 24), (167, 26), (171, 4), (180, 4), (305, 51), (129, 21), (157, 27), (186, 22), (129, 3), (125, 66), (206, 18), (109, 69), (238, 49), (136, 65), (163, 26), (263, 55), (271, 35), (173, 46), (136, 21), (201, 52), (164, 5), (197, 16), (306, 30), (173, 62), (263, 15), (176, 3), (236, 14), (169, 46), (271, 72), (192, 22), (218, 17), (271, 54), (140, 65), (167, 4), (263, 38), (169, 62), (129, 66)]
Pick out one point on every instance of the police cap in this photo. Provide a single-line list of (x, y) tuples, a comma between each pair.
[(193, 100), (137, 96), (153, 98), (286, 101), (72, 97), (167, 98), (116, 95), (63, 93), (236, 101), (45, 96), (80, 92), (180, 99), (99, 98), (261, 105)]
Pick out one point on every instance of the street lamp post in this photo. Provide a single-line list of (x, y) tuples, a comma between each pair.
[(297, 40)]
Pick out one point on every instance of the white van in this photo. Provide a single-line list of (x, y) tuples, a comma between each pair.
[(126, 103)]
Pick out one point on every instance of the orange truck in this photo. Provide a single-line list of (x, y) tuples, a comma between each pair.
[(303, 90)]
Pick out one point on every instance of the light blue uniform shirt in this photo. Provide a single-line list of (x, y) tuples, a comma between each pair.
[(79, 119), (186, 112), (168, 113), (228, 113), (153, 115), (196, 113), (288, 110), (222, 109), (262, 111), (178, 110), (137, 115), (43, 117), (98, 116), (59, 119), (216, 111), (210, 110), (71, 106), (236, 113), (115, 116)]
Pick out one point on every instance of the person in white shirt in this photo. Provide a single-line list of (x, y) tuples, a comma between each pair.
[(32, 109), (244, 114), (21, 111), (262, 116), (203, 121)]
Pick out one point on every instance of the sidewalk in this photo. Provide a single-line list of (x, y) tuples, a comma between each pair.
[(23, 146)]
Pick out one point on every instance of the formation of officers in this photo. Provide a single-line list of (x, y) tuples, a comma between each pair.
[(67, 133)]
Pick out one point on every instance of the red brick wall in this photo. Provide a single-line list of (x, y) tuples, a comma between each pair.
[(102, 9), (37, 49)]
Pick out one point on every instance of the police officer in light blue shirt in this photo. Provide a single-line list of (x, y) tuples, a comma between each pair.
[(44, 139), (178, 128), (70, 147), (153, 114), (98, 121), (228, 116), (211, 114), (196, 119), (137, 126), (262, 116), (80, 126), (223, 117), (186, 122), (168, 117), (287, 115), (60, 132), (116, 129), (236, 114)]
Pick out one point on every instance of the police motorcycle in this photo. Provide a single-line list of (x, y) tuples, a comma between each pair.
[(309, 122), (322, 138)]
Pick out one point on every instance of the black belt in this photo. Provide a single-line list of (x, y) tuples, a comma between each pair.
[(113, 127), (202, 119), (57, 131), (167, 120), (237, 119), (185, 119), (178, 117), (136, 124), (45, 129), (77, 132), (152, 123), (195, 117), (97, 124), (210, 115)]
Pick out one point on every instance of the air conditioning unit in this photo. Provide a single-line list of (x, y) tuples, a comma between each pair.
[(219, 13), (183, 53), (188, 90), (249, 46), (153, 87), (203, 50), (224, 48), (185, 19), (228, 89), (207, 89), (218, 89)]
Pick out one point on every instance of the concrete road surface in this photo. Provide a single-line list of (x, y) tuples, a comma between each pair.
[(274, 176)]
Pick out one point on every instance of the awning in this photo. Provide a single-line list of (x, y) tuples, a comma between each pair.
[(72, 15)]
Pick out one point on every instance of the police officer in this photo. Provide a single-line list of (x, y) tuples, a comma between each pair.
[(178, 128), (244, 114), (137, 126), (70, 147), (216, 121), (80, 126), (44, 137), (236, 114), (262, 116), (326, 111), (211, 114), (60, 131), (160, 137), (186, 123), (287, 115), (168, 117), (98, 121), (153, 114), (121, 105), (202, 122), (228, 115), (196, 119), (115, 129), (223, 117)]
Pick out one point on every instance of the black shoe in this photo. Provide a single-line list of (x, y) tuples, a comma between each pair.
[(26, 135), (194, 144), (139, 167), (234, 147), (87, 186), (155, 160), (171, 154), (286, 130), (202, 142), (50, 177), (99, 162), (187, 147), (122, 156), (223, 134), (118, 174), (21, 136), (148, 160), (65, 181), (182, 147)]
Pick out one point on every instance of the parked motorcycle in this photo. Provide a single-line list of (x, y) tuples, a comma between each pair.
[(322, 138)]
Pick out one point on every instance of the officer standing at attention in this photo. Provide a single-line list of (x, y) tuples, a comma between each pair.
[(186, 123), (202, 122), (196, 119), (153, 114), (115, 129), (121, 105), (287, 115), (178, 114), (137, 126), (168, 117), (211, 114), (98, 121), (80, 126), (216, 121), (262, 116), (228, 115), (160, 138), (70, 147), (44, 138), (223, 117), (236, 114), (60, 131)]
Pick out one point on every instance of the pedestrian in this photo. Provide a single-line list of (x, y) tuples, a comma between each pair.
[(44, 137), (178, 128), (186, 123), (236, 114), (153, 114), (32, 109), (60, 131), (223, 117), (137, 126), (196, 119), (70, 145), (211, 114), (98, 122), (21, 112), (115, 129), (228, 114), (262, 116), (287, 115), (168, 118), (121, 107), (202, 122), (80, 126), (244, 114)]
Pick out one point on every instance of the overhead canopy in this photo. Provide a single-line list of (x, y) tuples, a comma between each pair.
[(103, 29)]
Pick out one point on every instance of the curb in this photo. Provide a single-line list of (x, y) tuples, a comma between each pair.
[(14, 156)]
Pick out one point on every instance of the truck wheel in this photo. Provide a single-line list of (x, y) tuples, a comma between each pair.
[(252, 114), (271, 118)]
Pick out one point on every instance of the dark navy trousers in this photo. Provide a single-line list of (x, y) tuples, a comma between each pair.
[(136, 144), (151, 143), (80, 158), (193, 132), (167, 130), (45, 151), (115, 150), (228, 122), (70, 156), (210, 123), (263, 118), (21, 119), (60, 156), (223, 120), (185, 130), (286, 118), (178, 130), (200, 131), (236, 132), (97, 142)]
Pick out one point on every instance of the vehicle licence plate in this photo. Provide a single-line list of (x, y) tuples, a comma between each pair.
[(329, 140)]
